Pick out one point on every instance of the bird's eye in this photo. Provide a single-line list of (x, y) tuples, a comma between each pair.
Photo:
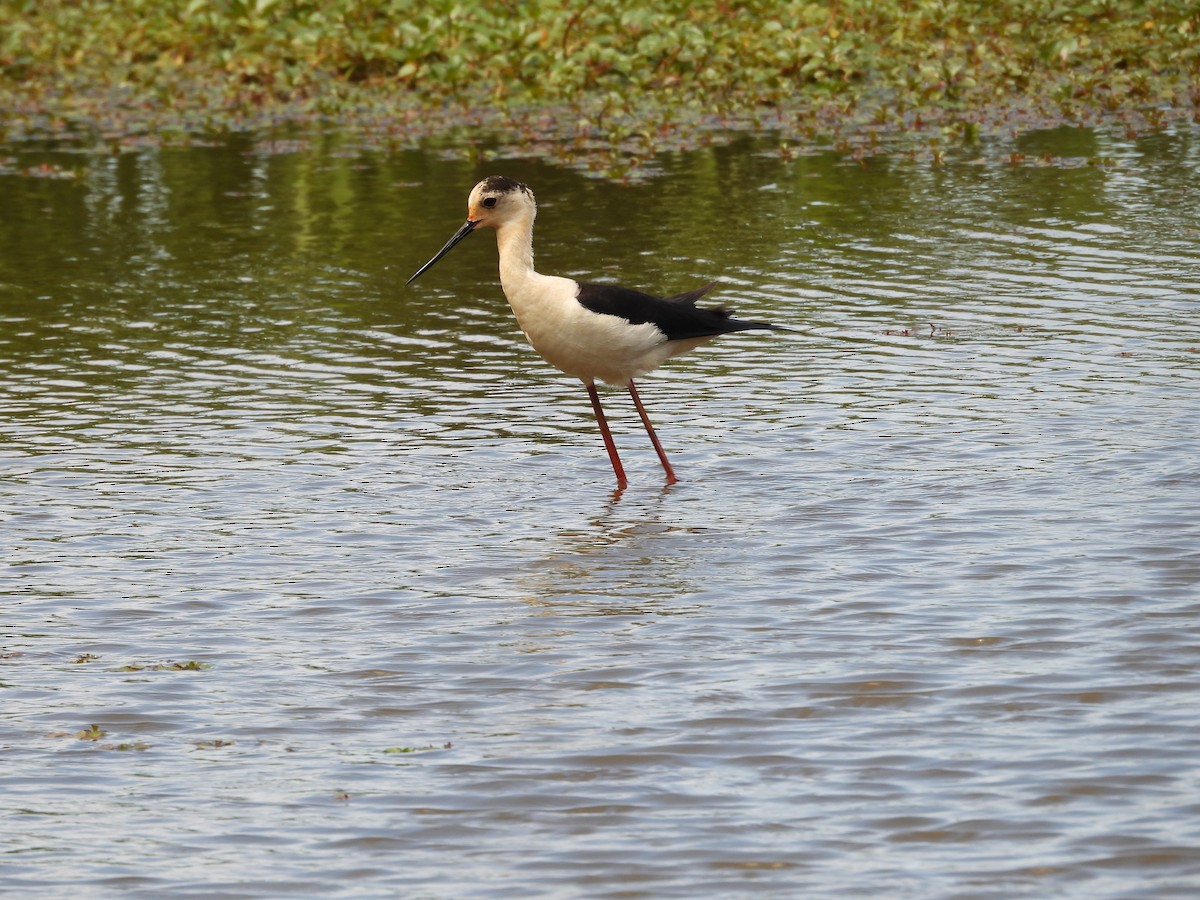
[(489, 202)]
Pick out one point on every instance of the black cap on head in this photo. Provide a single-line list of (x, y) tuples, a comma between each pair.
[(504, 185)]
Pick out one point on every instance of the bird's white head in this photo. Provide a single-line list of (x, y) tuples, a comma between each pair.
[(494, 202), (497, 200)]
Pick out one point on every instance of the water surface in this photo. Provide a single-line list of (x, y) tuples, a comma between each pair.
[(336, 568)]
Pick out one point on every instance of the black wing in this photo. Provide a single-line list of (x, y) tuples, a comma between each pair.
[(678, 317)]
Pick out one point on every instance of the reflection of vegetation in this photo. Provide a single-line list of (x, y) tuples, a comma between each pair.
[(614, 72)]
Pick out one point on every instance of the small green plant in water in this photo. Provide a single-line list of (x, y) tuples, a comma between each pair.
[(189, 666), (445, 746)]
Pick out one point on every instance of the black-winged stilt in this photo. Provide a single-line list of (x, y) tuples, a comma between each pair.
[(591, 331)]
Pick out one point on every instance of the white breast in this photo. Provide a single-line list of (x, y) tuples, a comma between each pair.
[(578, 341)]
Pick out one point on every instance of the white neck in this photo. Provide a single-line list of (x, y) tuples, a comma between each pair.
[(514, 239)]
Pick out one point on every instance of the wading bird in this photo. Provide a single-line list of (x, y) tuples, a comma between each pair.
[(591, 331)]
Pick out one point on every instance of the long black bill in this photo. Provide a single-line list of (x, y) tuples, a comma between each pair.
[(458, 236)]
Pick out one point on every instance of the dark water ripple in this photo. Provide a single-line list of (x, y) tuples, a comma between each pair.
[(921, 619)]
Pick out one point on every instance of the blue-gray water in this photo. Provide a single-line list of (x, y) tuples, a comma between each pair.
[(336, 569)]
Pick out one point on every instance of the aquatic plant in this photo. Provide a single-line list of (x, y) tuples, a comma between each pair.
[(593, 79), (189, 666)]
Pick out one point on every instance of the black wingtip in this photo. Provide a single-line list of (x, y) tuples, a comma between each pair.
[(691, 297), (745, 325)]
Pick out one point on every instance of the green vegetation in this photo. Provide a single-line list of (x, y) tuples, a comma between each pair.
[(189, 666), (445, 746), (591, 75), (91, 733)]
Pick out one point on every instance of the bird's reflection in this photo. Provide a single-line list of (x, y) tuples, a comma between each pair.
[(628, 559)]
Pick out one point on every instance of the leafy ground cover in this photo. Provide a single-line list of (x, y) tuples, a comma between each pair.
[(600, 83)]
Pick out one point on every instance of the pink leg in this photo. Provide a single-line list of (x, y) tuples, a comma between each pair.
[(609, 443), (662, 456)]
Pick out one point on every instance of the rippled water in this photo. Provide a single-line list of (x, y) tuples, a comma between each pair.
[(335, 567)]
